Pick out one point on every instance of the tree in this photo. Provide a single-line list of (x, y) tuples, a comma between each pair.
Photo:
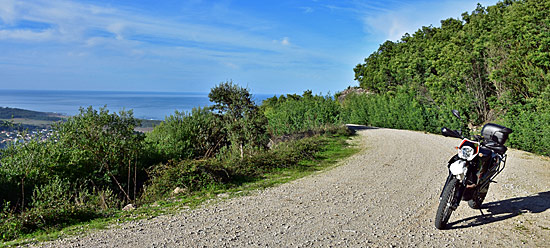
[(245, 125), (99, 148), (493, 65)]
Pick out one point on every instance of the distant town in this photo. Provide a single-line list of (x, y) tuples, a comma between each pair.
[(13, 136), (20, 125)]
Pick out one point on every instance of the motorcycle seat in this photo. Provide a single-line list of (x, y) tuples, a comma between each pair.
[(498, 148)]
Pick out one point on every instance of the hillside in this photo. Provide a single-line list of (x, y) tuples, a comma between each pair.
[(15, 113), (32, 120), (493, 65), (376, 198)]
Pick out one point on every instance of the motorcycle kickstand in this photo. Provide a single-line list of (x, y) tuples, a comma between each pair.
[(482, 214)]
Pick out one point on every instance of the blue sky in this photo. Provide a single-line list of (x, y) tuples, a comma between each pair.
[(268, 46)]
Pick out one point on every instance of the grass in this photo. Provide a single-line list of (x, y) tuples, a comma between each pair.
[(336, 149)]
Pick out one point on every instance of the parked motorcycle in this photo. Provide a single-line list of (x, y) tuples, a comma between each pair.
[(478, 161)]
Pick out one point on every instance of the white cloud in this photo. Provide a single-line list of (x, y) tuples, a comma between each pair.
[(96, 38), (116, 28), (77, 54), (86, 24), (231, 65), (391, 26), (29, 35), (307, 10), (7, 11), (97, 10), (407, 17), (285, 41)]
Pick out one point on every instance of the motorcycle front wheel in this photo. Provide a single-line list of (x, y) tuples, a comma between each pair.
[(446, 203)]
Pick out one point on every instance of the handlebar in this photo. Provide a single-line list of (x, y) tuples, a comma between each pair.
[(457, 134), (451, 133)]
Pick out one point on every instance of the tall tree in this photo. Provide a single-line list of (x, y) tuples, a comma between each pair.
[(244, 123)]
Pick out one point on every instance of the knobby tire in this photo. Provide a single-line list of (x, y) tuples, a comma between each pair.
[(445, 204)]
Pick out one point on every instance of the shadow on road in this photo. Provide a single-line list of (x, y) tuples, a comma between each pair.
[(506, 209), (354, 127)]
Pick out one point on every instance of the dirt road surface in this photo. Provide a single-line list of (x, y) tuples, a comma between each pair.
[(384, 196)]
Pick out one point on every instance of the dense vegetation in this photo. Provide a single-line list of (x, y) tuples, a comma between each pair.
[(294, 113), (95, 163), (492, 65)]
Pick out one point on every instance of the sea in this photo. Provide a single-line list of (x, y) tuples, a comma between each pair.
[(145, 105)]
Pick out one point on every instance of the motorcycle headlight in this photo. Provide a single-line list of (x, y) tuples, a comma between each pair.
[(465, 152)]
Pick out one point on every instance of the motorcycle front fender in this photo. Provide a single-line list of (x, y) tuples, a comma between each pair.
[(459, 169), (452, 160)]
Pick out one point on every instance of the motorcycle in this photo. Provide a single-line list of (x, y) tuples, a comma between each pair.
[(478, 161)]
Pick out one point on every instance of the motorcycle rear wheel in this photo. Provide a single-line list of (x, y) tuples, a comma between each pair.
[(446, 204)]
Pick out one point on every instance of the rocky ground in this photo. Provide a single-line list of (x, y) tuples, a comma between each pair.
[(384, 196)]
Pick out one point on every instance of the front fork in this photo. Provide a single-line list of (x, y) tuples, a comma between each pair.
[(458, 193)]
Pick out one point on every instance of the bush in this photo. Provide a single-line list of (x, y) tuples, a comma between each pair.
[(191, 175), (399, 110), (195, 175), (187, 136), (292, 114), (53, 205), (11, 226), (531, 128), (94, 151), (23, 167), (101, 150)]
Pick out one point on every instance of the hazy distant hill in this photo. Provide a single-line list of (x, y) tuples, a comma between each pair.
[(15, 113), (33, 120)]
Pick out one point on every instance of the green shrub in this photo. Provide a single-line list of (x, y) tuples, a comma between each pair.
[(531, 126), (100, 150), (187, 136), (23, 167), (53, 205), (292, 114), (399, 110), (283, 155), (190, 175), (195, 175), (10, 225)]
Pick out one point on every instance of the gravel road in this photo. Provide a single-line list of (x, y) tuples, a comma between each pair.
[(384, 196)]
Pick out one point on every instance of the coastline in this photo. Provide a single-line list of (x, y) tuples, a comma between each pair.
[(145, 105)]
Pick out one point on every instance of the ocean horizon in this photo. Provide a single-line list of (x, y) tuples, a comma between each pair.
[(145, 105)]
